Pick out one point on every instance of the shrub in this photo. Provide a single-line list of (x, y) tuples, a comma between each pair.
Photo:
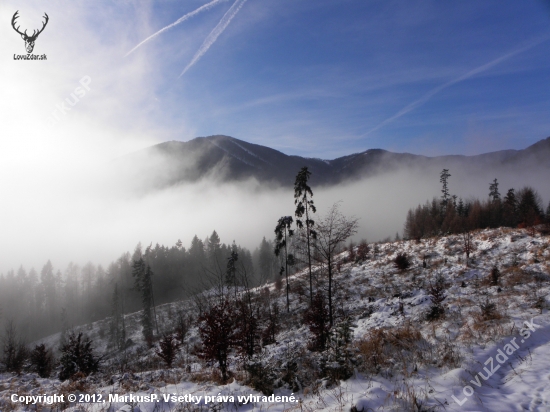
[(437, 295), (494, 277), (42, 360), (362, 251), (77, 355), (338, 359), (168, 349), (489, 310), (402, 261), (260, 376), (385, 348), (217, 332)]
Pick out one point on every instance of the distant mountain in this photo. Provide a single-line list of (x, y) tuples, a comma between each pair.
[(225, 158)]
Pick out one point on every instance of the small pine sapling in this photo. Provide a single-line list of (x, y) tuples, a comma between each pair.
[(317, 318), (42, 360), (77, 355), (437, 295), (402, 262), (168, 349), (494, 277)]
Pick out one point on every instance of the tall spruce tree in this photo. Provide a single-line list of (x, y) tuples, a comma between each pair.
[(283, 232), (443, 179), (493, 191), (304, 205), (510, 209), (530, 210)]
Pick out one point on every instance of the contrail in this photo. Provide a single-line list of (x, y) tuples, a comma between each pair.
[(410, 107), (211, 38), (180, 20)]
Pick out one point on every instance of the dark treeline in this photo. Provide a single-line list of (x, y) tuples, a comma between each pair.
[(52, 300), (450, 214)]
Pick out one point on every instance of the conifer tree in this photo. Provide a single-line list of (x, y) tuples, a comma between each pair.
[(231, 271), (283, 232), (443, 179), (510, 207), (168, 349), (493, 191), (42, 361), (529, 207), (317, 319), (143, 282), (77, 355), (304, 205)]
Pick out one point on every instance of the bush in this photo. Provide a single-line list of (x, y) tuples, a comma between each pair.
[(437, 295), (391, 348), (488, 311), (77, 355), (362, 251), (42, 360), (168, 349), (402, 262), (337, 363), (217, 332), (494, 276), (260, 376)]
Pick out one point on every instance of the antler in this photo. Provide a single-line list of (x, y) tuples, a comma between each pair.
[(15, 16), (34, 33), (43, 26)]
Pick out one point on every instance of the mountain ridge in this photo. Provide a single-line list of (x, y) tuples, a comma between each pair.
[(226, 158)]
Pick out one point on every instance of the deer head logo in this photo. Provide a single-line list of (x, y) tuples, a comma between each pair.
[(29, 40)]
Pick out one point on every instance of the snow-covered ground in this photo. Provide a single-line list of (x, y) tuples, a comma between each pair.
[(464, 361)]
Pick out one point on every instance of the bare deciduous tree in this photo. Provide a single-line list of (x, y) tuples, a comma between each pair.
[(332, 231)]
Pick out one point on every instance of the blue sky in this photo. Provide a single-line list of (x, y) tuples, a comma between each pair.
[(317, 78), (326, 78)]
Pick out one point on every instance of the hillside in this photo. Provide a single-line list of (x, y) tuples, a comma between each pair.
[(480, 352)]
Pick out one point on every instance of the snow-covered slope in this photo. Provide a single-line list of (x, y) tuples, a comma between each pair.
[(489, 352)]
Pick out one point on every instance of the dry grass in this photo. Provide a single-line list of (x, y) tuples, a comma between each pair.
[(384, 349), (514, 276)]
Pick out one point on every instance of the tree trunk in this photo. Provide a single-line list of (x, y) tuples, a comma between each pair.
[(309, 260), (330, 291), (286, 276)]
